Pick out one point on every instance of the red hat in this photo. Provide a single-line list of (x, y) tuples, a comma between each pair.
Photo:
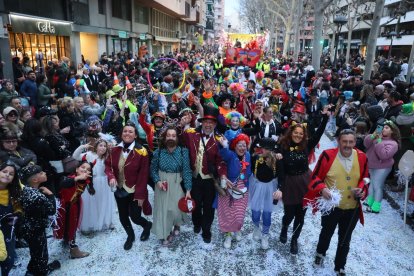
[(299, 107), (240, 137), (186, 205)]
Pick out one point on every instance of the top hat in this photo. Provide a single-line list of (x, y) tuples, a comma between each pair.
[(210, 113)]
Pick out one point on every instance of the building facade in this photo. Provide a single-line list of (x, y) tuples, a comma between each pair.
[(44, 30)]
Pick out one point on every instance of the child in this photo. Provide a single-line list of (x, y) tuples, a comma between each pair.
[(38, 204), (70, 193), (263, 188), (97, 210)]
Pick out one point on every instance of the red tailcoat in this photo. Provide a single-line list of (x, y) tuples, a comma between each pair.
[(322, 168), (191, 139), (136, 171)]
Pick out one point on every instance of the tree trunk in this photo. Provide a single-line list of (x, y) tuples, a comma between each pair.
[(289, 28), (298, 22), (372, 38), (317, 36), (332, 46), (348, 44)]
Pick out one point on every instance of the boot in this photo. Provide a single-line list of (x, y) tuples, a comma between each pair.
[(369, 201), (376, 207), (146, 232), (227, 240), (283, 234), (265, 241), (128, 243), (75, 253), (294, 246), (238, 236), (257, 234), (318, 260), (53, 266)]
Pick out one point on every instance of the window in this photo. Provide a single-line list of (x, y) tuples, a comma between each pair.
[(121, 9), (101, 6), (141, 14)]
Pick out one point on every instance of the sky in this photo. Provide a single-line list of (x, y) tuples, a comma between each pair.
[(231, 13)]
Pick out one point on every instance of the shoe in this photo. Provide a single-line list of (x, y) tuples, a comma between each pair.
[(207, 240), (238, 236), (376, 207), (75, 253), (21, 243), (146, 232), (369, 201), (168, 240), (176, 230), (128, 244), (370, 210), (318, 260), (227, 241), (257, 234), (55, 265), (265, 241), (294, 246), (283, 235), (340, 272), (206, 236), (197, 229)]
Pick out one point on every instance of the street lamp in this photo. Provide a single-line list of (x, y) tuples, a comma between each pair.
[(229, 26), (339, 21), (391, 35)]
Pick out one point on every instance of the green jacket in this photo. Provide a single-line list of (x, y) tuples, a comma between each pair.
[(5, 98), (44, 94)]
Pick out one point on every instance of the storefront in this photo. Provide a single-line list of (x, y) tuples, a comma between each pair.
[(39, 39)]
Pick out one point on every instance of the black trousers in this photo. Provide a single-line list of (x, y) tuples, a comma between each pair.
[(129, 209), (203, 192), (346, 221), (38, 253), (297, 212)]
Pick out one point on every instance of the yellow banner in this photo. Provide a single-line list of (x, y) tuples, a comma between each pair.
[(243, 38)]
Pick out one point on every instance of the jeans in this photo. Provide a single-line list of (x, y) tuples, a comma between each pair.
[(376, 187), (267, 220)]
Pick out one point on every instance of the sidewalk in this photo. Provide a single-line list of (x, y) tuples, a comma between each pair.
[(396, 200)]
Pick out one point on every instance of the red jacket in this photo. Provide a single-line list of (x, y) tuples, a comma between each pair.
[(322, 168), (191, 139), (136, 171)]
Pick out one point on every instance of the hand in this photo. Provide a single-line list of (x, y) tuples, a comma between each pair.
[(279, 156), (113, 182), (325, 110), (45, 191), (358, 193), (140, 202), (91, 190), (326, 193), (224, 142), (188, 195), (82, 176), (185, 120), (277, 195), (144, 108), (65, 130), (257, 113), (197, 101), (160, 185), (206, 85)]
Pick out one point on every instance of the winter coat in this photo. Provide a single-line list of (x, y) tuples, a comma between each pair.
[(380, 154), (44, 94), (22, 157), (5, 98), (3, 250)]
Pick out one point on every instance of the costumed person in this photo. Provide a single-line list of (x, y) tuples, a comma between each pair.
[(151, 130), (70, 196), (170, 166), (263, 188), (231, 207), (206, 166), (343, 168), (381, 146), (127, 168), (246, 105), (38, 205), (294, 176), (226, 76), (10, 211), (225, 103), (97, 210)]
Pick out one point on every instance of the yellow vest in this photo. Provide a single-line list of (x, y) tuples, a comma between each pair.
[(266, 68), (344, 181)]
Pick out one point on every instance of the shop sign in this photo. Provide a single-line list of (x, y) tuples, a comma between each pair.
[(142, 36), (122, 34), (23, 24)]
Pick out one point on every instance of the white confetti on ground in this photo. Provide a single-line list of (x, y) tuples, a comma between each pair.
[(382, 247)]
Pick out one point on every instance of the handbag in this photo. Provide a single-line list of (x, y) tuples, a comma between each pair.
[(69, 164)]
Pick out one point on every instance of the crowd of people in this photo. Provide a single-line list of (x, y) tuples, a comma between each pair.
[(80, 141)]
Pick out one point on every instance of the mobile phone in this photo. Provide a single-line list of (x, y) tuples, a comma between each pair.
[(379, 129)]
